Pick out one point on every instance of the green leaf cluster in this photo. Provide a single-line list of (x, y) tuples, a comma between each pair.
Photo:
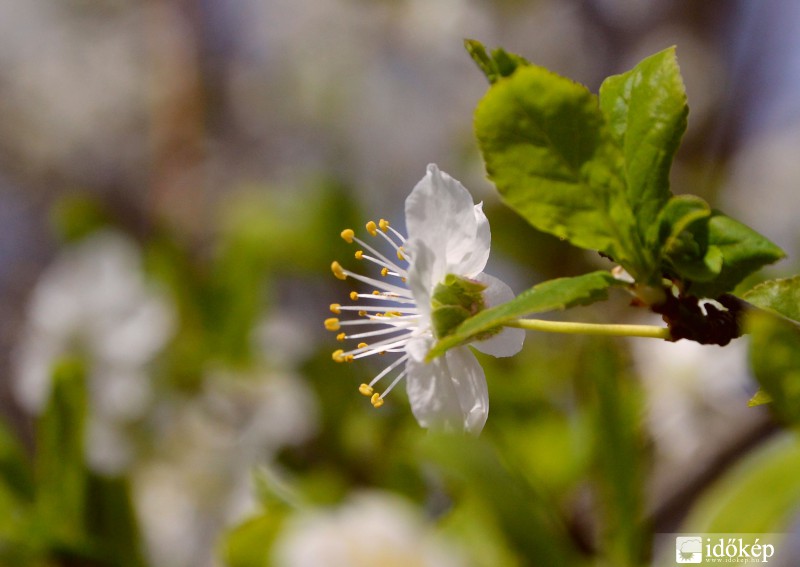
[(594, 170)]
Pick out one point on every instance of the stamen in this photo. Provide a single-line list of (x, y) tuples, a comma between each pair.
[(366, 308), (340, 337), (372, 320), (366, 389), (385, 297), (400, 254), (340, 356), (353, 295), (388, 369), (338, 271), (388, 345), (380, 259), (372, 228), (383, 224), (348, 234), (385, 272), (359, 254), (362, 345), (336, 308), (393, 384), (376, 400), (384, 331), (399, 236), (394, 244)]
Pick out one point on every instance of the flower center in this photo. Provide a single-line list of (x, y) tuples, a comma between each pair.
[(388, 314)]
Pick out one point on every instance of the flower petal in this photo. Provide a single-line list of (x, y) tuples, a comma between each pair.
[(424, 272), (507, 342), (440, 212), (450, 392)]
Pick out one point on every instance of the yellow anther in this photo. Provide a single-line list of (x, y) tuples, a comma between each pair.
[(372, 228), (403, 280), (384, 224), (337, 270), (376, 292), (381, 353), (338, 355), (341, 337), (348, 235), (353, 295), (400, 254), (384, 272), (362, 313), (332, 324), (362, 345), (376, 400), (336, 308), (365, 389), (359, 254)]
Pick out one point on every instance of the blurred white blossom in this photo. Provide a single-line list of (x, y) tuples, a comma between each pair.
[(95, 302), (199, 480), (696, 395), (370, 529)]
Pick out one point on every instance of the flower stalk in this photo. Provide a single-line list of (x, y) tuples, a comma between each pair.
[(573, 328)]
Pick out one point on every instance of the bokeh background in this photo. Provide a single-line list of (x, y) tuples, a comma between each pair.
[(174, 175)]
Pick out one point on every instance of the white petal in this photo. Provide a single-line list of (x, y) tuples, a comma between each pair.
[(424, 272), (440, 212), (418, 347), (507, 342), (449, 393)]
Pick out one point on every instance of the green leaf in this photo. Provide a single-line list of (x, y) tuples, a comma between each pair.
[(495, 66), (743, 252), (111, 521), (759, 495), (249, 544), (528, 520), (775, 357), (759, 398), (555, 294), (681, 232), (646, 111), (781, 296), (550, 154), (679, 213), (15, 466), (615, 408), (61, 476)]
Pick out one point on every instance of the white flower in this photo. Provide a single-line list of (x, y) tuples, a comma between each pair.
[(371, 528), (95, 302), (198, 478), (447, 234)]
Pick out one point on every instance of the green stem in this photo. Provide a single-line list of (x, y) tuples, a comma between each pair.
[(647, 331)]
